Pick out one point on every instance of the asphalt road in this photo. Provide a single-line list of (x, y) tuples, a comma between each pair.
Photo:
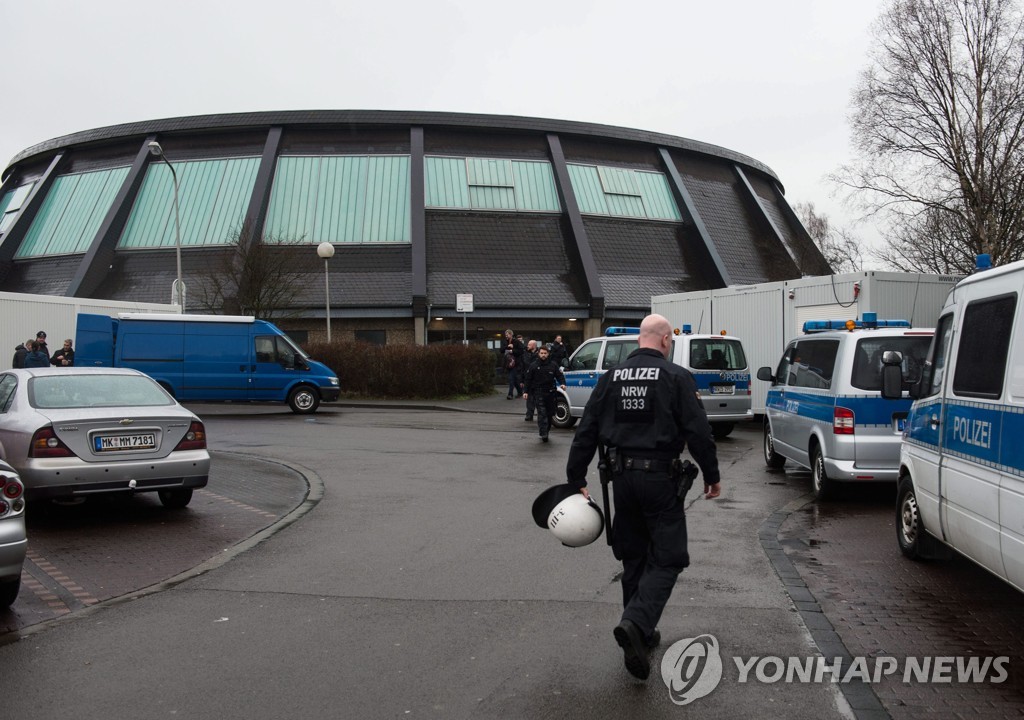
[(412, 582)]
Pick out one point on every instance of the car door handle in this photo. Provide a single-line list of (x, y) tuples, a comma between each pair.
[(934, 421)]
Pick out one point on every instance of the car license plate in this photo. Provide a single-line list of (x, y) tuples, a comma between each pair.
[(722, 389), (113, 443)]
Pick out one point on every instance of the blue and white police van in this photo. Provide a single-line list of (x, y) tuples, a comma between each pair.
[(717, 362), (961, 466), (825, 409)]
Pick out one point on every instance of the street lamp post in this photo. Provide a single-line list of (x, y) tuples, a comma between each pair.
[(179, 288), (326, 251)]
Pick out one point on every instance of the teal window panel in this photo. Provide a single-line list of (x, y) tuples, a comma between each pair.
[(72, 212), (625, 205), (535, 187), (446, 185), (586, 185), (340, 199), (657, 195), (11, 203), (490, 172), (213, 196), (290, 216), (387, 204), (233, 196), (623, 192), (492, 198), (617, 181), (490, 184)]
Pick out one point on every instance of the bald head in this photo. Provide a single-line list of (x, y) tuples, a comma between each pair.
[(656, 334)]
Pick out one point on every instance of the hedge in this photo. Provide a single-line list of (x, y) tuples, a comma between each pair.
[(408, 371)]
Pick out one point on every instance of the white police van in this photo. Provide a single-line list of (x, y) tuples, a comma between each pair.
[(825, 410), (717, 362), (961, 471)]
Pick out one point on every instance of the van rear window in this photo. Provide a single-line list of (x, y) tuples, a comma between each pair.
[(867, 360), (714, 354)]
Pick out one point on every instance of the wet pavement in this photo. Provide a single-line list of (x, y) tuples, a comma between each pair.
[(882, 604), (108, 547), (840, 585)]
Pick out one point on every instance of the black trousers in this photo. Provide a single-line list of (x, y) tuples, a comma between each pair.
[(650, 539), (545, 403)]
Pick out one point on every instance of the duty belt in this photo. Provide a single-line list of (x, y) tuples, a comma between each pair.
[(645, 464)]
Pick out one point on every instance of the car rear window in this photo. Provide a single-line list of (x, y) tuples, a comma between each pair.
[(83, 391), (714, 354), (867, 360)]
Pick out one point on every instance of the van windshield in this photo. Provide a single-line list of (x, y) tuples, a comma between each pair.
[(867, 361), (717, 354)]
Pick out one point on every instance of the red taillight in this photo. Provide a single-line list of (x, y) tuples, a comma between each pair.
[(46, 444), (195, 438), (12, 488), (842, 421), (11, 491)]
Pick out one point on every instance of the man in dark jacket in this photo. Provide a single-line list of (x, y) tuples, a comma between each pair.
[(559, 352), (646, 410), (43, 347), (20, 353), (65, 357), (37, 358), (541, 379), (529, 358)]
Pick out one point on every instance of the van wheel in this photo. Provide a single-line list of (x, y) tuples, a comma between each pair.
[(177, 498), (721, 429), (824, 487), (9, 591), (914, 540), (771, 458), (563, 418), (304, 400)]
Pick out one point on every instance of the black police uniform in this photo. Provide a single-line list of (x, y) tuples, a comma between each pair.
[(529, 358), (647, 410), (541, 379)]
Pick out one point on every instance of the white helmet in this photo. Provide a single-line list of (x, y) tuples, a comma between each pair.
[(570, 516)]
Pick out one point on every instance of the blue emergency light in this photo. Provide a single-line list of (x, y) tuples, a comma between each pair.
[(868, 321), (613, 331)]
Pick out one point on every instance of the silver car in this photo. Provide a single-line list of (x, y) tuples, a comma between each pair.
[(13, 542), (73, 432)]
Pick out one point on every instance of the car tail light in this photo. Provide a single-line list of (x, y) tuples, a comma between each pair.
[(842, 421), (11, 500), (46, 444), (195, 438), (12, 488)]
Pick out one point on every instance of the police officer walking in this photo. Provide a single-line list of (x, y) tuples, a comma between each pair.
[(541, 379), (646, 411)]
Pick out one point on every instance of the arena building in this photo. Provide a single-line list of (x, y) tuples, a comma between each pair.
[(551, 226)]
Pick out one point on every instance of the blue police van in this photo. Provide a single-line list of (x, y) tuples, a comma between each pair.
[(825, 410), (208, 357), (961, 465), (717, 362)]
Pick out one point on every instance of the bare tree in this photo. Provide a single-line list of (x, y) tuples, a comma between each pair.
[(938, 125), (842, 250), (253, 277)]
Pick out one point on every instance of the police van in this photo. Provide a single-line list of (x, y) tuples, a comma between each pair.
[(961, 470), (825, 409), (717, 362)]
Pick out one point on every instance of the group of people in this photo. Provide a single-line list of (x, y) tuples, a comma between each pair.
[(534, 373), (35, 353)]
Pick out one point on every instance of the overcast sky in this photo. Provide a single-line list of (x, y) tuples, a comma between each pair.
[(771, 80)]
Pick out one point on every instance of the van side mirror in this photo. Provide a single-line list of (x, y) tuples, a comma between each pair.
[(892, 375), (765, 373)]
